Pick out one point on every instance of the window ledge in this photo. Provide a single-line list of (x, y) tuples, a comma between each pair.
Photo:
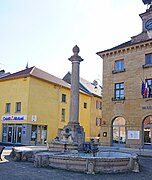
[(147, 65), (64, 102), (118, 71), (118, 99), (148, 99)]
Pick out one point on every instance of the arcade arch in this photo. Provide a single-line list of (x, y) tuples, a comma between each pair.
[(118, 132), (147, 132)]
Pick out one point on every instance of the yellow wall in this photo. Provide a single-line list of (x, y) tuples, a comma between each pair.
[(87, 116), (64, 105), (12, 91), (95, 130), (43, 102), (84, 114), (44, 99)]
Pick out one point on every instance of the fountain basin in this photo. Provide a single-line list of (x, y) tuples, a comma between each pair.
[(104, 162)]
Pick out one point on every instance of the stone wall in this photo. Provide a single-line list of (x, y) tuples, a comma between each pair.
[(132, 109)]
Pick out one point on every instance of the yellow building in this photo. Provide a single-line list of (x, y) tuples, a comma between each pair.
[(127, 90), (34, 107)]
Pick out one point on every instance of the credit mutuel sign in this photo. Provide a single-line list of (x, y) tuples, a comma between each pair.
[(14, 118)]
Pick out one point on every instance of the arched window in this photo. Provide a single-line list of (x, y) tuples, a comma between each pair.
[(148, 131), (119, 132), (148, 120)]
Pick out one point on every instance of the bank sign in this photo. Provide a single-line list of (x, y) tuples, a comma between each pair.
[(14, 118)]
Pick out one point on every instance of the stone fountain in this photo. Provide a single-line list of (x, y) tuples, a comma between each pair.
[(70, 152)]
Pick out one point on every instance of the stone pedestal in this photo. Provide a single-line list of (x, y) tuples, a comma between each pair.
[(73, 133)]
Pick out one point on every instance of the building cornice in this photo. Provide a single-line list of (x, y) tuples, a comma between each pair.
[(125, 50)]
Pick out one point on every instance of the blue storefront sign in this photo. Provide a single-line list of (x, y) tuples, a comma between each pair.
[(14, 118)]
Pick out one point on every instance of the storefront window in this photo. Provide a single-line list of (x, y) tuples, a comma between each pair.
[(34, 133), (148, 131), (147, 135), (44, 134), (39, 134), (12, 133), (4, 133)]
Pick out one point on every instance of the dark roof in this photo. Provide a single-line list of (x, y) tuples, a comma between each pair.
[(38, 73), (84, 85), (5, 74), (67, 78), (22, 73), (125, 44)]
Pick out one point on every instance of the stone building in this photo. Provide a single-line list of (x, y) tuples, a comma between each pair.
[(127, 90)]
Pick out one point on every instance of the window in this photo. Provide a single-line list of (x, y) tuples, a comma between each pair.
[(148, 120), (8, 107), (85, 105), (63, 98), (119, 65), (33, 132), (119, 91), (63, 115), (39, 134), (18, 106), (148, 59), (98, 121), (98, 104), (119, 131), (147, 130)]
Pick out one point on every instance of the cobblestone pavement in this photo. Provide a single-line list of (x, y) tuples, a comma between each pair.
[(11, 170)]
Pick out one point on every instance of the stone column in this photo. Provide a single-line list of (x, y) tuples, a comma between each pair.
[(73, 132), (74, 96)]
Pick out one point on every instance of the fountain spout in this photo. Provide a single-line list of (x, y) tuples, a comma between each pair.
[(91, 147)]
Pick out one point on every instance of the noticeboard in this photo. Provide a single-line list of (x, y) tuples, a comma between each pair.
[(133, 134)]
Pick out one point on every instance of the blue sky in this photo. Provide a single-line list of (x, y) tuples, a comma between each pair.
[(43, 32)]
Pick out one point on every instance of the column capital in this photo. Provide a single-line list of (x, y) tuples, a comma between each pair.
[(75, 57)]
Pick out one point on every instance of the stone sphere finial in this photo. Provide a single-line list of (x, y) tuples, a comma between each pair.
[(76, 50), (75, 57)]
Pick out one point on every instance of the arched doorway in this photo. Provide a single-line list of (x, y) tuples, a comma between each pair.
[(147, 128), (119, 132)]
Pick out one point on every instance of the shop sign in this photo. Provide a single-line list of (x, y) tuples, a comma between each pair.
[(14, 118), (34, 118), (146, 107)]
